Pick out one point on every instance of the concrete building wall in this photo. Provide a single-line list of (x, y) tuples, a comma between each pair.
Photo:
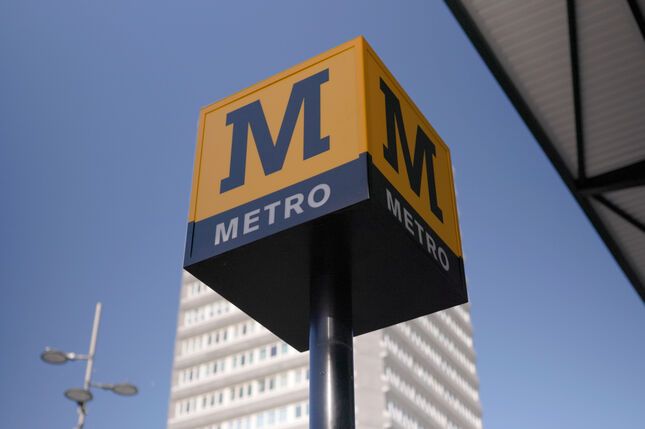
[(231, 373)]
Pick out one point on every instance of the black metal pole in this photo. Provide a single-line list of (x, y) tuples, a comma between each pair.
[(331, 360)]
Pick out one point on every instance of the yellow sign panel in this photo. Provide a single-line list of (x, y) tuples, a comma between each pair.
[(408, 151), (328, 82)]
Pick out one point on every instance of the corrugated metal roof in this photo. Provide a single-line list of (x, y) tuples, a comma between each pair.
[(612, 66), (575, 70), (531, 41)]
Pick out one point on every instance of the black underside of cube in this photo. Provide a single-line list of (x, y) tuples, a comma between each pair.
[(392, 278)]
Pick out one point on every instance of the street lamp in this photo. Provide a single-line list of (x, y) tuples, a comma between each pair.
[(82, 395)]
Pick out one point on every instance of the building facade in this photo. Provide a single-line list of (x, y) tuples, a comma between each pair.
[(231, 373)]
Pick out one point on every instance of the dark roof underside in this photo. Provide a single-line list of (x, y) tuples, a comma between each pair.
[(575, 71)]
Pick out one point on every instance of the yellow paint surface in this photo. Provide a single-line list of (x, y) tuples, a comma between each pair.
[(448, 230), (340, 113)]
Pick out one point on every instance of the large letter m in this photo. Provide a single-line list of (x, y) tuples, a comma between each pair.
[(424, 150), (305, 93)]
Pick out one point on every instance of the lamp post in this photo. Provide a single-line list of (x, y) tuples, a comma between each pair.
[(83, 395)]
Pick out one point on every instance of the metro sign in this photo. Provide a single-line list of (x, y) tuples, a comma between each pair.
[(331, 147)]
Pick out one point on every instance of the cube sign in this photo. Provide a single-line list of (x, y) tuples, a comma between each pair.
[(332, 147)]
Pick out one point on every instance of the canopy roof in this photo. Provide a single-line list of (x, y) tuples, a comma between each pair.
[(575, 71)]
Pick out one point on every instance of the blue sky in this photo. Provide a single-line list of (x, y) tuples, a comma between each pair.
[(98, 114)]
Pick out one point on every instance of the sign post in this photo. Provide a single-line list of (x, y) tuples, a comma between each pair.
[(323, 206), (331, 358)]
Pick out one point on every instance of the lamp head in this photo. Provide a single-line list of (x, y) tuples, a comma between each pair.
[(78, 395), (54, 357), (125, 389)]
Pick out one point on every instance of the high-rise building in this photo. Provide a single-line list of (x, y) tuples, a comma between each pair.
[(231, 373)]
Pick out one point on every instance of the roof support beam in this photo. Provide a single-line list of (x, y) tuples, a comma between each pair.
[(638, 16), (575, 81), (622, 178), (620, 212)]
